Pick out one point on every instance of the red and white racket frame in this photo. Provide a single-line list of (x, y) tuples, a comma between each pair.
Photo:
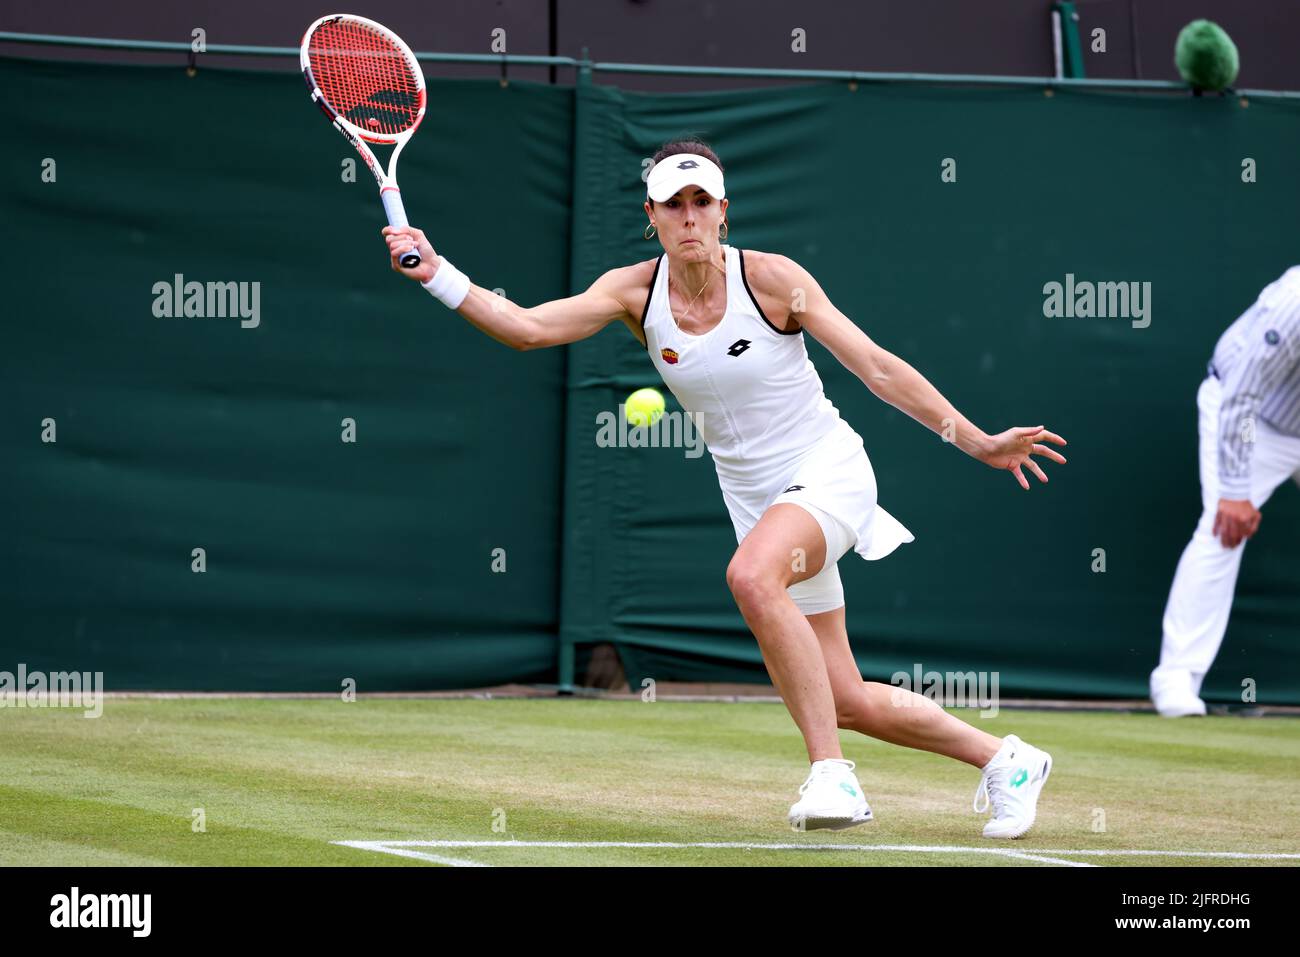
[(389, 193)]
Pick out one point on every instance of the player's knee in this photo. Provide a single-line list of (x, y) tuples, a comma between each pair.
[(853, 709), (847, 715), (751, 584)]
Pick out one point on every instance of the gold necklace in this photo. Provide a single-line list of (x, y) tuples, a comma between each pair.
[(691, 304)]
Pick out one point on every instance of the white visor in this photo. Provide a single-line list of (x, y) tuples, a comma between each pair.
[(684, 169)]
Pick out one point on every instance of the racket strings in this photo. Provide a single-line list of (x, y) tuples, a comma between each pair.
[(365, 77)]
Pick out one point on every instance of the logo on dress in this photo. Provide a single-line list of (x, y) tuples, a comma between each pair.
[(1272, 338), (669, 356), (737, 347), (794, 488)]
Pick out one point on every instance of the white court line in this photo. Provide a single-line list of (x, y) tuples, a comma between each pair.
[(1236, 855), (418, 855), (1046, 860), (1047, 856), (401, 848)]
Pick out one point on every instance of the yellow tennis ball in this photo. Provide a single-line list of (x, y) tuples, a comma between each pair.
[(644, 407)]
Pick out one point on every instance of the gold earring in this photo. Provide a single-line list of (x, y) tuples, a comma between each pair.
[(723, 230), (650, 231)]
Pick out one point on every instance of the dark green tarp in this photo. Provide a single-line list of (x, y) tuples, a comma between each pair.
[(373, 560), (1104, 186), (325, 560)]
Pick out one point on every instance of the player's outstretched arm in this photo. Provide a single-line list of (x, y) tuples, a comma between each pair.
[(549, 324), (895, 381)]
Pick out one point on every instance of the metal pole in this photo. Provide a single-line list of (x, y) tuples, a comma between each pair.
[(1056, 44), (856, 76)]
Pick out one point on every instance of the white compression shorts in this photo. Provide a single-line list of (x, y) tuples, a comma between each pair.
[(824, 591), (834, 482)]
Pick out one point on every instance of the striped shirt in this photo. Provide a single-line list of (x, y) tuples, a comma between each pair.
[(1258, 361)]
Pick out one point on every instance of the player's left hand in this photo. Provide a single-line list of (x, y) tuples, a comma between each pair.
[(1012, 449)]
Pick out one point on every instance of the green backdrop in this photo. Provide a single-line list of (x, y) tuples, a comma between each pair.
[(374, 559)]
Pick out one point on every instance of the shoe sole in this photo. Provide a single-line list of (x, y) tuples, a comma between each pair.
[(1191, 711), (812, 823), (1038, 789)]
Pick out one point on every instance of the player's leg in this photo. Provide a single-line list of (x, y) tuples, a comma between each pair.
[(785, 546), (890, 713), (1012, 772), (784, 565)]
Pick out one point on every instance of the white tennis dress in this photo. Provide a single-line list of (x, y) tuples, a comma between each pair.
[(759, 405)]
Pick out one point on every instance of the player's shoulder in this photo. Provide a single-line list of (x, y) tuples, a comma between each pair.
[(630, 287), (771, 273), (630, 279), (770, 279)]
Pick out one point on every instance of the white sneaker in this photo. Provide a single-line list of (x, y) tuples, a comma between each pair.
[(1173, 696), (1178, 705), (832, 798), (1011, 782)]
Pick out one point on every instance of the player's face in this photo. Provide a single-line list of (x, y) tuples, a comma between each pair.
[(688, 222)]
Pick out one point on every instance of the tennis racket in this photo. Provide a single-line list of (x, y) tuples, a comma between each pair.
[(367, 81)]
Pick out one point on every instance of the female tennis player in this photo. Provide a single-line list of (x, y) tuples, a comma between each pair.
[(724, 327)]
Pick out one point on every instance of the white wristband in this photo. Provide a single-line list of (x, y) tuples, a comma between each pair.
[(449, 285)]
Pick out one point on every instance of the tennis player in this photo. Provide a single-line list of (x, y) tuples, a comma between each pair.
[(725, 329)]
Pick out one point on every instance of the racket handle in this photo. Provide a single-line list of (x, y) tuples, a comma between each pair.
[(396, 213)]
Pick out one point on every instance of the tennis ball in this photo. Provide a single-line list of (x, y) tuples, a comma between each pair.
[(1205, 56), (643, 407)]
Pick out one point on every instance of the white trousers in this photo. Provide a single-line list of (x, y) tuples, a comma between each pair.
[(1196, 614)]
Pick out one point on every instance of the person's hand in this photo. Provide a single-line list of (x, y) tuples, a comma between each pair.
[(1236, 521), (402, 238), (1012, 449)]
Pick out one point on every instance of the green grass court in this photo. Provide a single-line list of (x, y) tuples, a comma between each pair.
[(280, 781)]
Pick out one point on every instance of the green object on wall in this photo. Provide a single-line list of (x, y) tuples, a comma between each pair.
[(1205, 56)]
